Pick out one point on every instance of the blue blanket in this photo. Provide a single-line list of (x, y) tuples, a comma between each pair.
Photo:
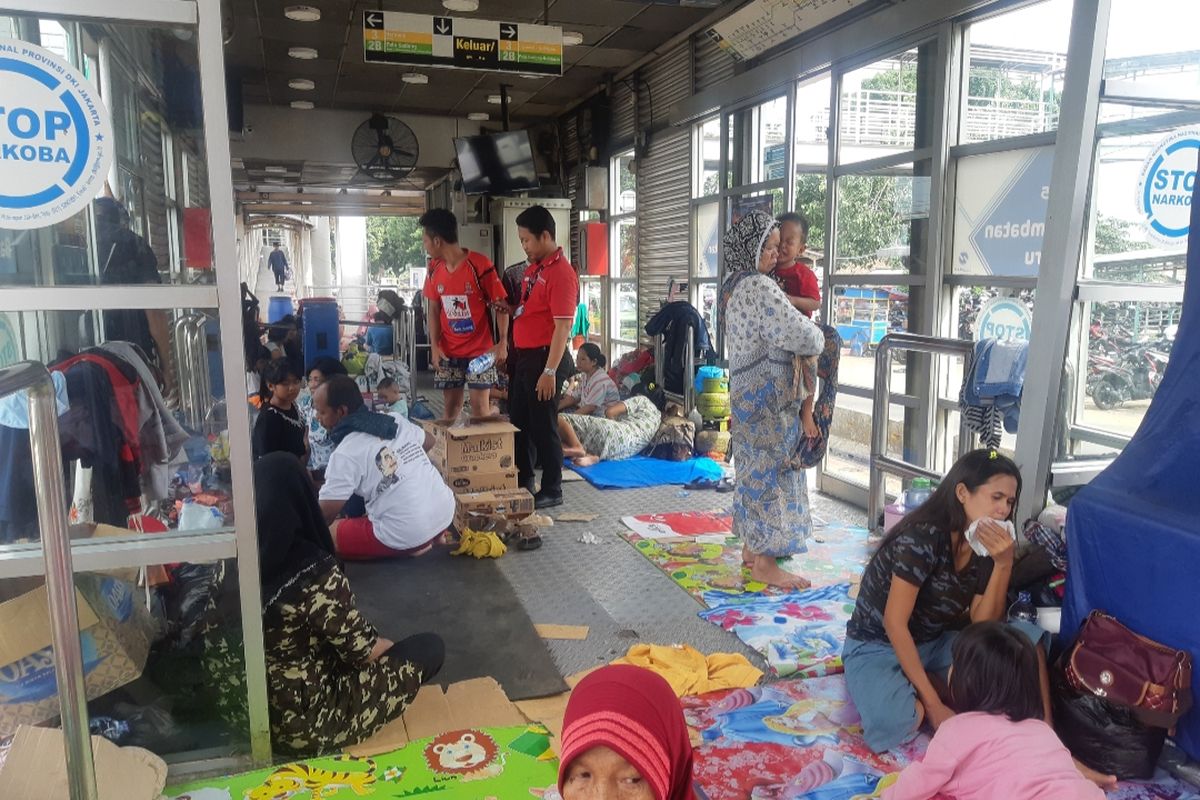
[(639, 471)]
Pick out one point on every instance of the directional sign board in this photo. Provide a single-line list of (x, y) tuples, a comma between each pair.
[(391, 37), (1000, 212)]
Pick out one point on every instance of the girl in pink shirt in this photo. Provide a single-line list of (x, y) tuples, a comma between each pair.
[(996, 747)]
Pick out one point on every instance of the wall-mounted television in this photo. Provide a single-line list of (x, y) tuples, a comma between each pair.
[(497, 163)]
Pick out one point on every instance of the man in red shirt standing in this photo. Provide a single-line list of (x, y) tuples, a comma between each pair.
[(462, 288), (542, 323)]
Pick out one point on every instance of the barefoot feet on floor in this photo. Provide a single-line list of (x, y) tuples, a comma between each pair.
[(585, 461), (1105, 782), (766, 570), (574, 452), (747, 556)]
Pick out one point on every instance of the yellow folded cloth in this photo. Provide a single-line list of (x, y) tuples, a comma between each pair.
[(689, 672), (481, 544)]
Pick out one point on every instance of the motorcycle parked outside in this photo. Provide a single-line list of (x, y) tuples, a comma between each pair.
[(1136, 376)]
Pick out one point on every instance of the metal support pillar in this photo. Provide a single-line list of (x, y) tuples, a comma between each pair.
[(1065, 222)]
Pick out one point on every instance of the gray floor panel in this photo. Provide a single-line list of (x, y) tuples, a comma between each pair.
[(610, 587)]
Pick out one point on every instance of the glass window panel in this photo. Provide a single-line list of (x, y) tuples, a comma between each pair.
[(811, 189), (129, 468), (627, 247), (1000, 212), (771, 202), (1016, 90), (154, 92), (708, 158), (879, 108), (706, 241), (593, 296), (811, 138), (625, 311), (625, 185), (1126, 347), (863, 315), (1124, 246), (166, 657), (882, 219), (771, 149), (1151, 55), (968, 302), (619, 349), (706, 301)]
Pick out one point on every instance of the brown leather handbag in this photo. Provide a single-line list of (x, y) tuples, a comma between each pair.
[(1111, 661)]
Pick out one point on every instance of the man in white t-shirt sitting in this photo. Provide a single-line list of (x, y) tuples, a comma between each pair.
[(384, 459)]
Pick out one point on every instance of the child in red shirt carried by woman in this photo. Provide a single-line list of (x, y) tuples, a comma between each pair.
[(795, 276)]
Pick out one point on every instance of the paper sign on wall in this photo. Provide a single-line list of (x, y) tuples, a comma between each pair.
[(56, 139), (1164, 198)]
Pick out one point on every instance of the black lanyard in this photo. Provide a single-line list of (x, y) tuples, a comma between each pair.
[(531, 280)]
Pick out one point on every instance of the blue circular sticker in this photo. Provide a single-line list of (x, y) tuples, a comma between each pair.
[(55, 138), (1005, 319), (1166, 185)]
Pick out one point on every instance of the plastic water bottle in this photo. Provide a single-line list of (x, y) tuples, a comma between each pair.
[(481, 363), (1023, 610), (920, 491)]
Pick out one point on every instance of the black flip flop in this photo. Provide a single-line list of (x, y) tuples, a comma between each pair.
[(725, 486), (700, 484), (529, 542)]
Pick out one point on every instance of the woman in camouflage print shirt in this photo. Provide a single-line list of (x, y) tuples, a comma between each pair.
[(332, 680)]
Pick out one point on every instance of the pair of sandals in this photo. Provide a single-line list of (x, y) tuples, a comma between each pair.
[(515, 534), (722, 486)]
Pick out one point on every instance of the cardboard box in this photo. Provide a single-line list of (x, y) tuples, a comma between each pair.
[(511, 504), (474, 482), (480, 446), (115, 636)]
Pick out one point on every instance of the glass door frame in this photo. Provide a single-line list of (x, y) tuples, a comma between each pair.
[(240, 542)]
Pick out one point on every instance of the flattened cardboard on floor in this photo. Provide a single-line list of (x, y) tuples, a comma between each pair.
[(36, 769), (115, 639), (477, 703), (551, 631)]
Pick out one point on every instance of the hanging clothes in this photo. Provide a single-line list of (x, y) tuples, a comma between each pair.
[(991, 392), (673, 321)]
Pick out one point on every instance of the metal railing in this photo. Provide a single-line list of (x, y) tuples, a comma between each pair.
[(881, 462), (46, 451), (688, 398), (191, 359)]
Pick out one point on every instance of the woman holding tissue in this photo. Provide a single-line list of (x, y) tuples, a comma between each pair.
[(923, 584)]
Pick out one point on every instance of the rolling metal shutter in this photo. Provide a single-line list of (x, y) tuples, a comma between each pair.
[(623, 123), (712, 64), (664, 183)]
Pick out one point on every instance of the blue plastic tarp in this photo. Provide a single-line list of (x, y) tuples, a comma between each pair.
[(1133, 533), (642, 471)]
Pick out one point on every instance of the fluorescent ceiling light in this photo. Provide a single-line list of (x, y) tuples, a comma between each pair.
[(302, 53), (461, 5), (301, 84), (276, 170), (495, 99), (415, 77), (303, 105), (302, 13), (478, 116), (572, 38)]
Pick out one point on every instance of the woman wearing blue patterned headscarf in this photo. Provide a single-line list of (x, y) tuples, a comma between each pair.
[(763, 333)]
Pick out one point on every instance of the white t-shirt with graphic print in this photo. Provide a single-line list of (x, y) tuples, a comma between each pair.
[(408, 503)]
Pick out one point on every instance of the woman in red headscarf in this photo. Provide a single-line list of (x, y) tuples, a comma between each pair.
[(624, 738)]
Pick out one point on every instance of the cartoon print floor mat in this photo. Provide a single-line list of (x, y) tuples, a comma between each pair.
[(836, 554), (802, 740), (789, 740), (680, 523), (800, 634), (469, 764)]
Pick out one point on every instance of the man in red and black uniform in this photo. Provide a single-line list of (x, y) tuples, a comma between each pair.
[(542, 322)]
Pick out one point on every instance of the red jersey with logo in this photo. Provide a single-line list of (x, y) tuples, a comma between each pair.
[(465, 296), (549, 291), (799, 280)]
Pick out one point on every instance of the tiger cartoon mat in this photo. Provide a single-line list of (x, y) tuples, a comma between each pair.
[(458, 765)]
